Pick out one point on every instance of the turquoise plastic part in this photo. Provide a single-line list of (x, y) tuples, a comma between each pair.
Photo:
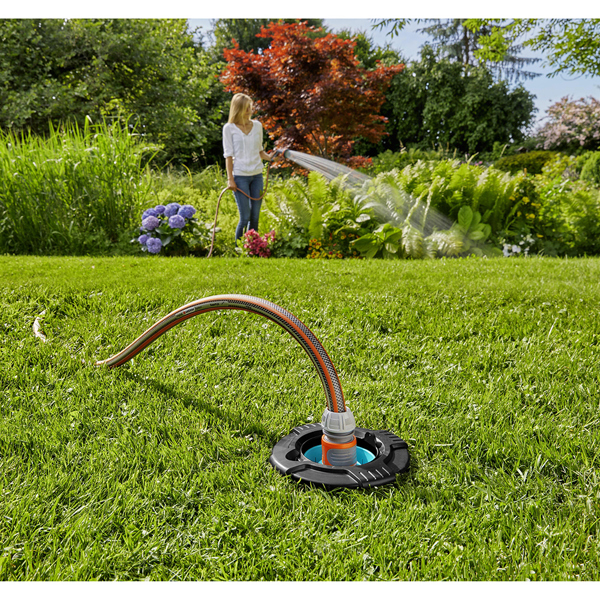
[(363, 456)]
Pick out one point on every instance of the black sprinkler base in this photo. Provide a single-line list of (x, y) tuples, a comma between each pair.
[(390, 454)]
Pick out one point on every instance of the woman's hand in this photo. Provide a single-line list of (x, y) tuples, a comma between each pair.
[(231, 185)]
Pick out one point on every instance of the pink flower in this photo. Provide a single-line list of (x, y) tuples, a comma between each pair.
[(258, 246)]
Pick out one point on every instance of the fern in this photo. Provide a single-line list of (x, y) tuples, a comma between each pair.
[(315, 227), (412, 242), (446, 243), (318, 190)]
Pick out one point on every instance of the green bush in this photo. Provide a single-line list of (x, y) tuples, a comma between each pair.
[(202, 191), (388, 160), (533, 162), (435, 191), (569, 223), (304, 209), (590, 171)]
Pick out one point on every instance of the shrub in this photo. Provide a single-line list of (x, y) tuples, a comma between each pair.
[(175, 229), (532, 162), (201, 190), (569, 218), (590, 171), (572, 125), (388, 160), (302, 209), (435, 191)]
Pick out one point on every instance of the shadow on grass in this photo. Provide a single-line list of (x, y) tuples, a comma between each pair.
[(189, 400), (236, 421)]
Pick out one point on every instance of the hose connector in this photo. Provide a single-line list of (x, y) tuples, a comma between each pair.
[(338, 442), (281, 151)]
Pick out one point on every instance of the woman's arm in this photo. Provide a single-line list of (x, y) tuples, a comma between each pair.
[(229, 167), (265, 156)]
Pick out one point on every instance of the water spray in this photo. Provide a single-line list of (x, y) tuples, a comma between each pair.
[(333, 453)]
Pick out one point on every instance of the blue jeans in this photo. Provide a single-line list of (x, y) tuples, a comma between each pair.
[(249, 209)]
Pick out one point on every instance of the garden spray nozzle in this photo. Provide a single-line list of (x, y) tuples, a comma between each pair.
[(338, 442), (281, 151)]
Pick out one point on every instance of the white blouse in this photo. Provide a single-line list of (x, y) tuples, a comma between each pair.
[(244, 148)]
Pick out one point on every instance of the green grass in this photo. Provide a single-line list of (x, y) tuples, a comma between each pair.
[(158, 469)]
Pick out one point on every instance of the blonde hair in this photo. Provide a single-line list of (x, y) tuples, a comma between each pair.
[(239, 104)]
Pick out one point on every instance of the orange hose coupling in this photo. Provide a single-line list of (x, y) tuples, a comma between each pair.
[(338, 442), (335, 454)]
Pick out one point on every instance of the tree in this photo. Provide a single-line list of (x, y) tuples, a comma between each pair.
[(367, 52), (572, 125), (460, 40), (457, 42), (145, 71), (311, 91), (571, 45), (227, 32), (438, 103)]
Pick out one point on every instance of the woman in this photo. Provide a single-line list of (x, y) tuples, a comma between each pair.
[(244, 153)]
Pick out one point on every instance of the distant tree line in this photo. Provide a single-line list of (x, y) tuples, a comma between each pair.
[(165, 82)]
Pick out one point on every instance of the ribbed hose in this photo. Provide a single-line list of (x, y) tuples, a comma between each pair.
[(304, 336)]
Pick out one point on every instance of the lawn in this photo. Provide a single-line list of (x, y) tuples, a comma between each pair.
[(158, 469)]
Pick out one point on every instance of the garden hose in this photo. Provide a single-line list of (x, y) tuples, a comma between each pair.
[(339, 441), (212, 243)]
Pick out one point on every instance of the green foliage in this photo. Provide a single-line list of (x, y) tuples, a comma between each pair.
[(474, 232), (383, 242), (590, 171), (388, 160), (533, 162), (290, 242), (303, 209), (437, 103), (445, 186), (79, 191), (54, 70), (467, 236), (368, 53), (571, 45), (569, 217)]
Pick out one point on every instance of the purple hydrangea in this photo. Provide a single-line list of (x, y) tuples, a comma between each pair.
[(149, 212), (171, 209), (154, 245), (176, 222), (160, 209), (150, 223), (187, 211), (143, 239)]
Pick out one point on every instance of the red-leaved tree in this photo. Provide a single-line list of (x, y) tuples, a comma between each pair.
[(311, 93)]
